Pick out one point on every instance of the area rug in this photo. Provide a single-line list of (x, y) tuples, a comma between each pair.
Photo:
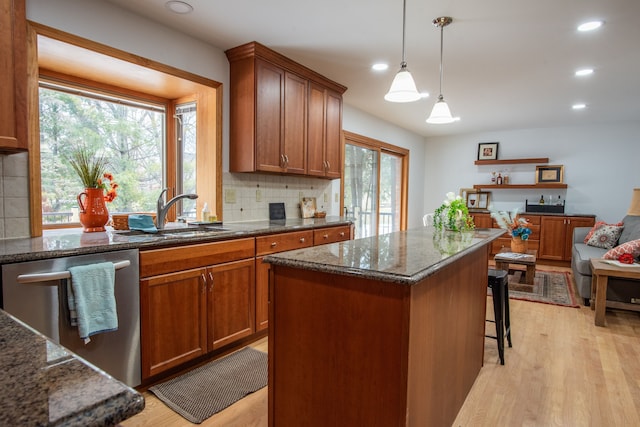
[(549, 287), (201, 393)]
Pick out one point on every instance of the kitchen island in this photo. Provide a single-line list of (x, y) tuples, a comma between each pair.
[(381, 331)]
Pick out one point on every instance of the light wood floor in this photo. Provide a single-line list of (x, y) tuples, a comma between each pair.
[(561, 371)]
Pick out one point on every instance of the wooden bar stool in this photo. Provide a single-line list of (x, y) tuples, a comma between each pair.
[(499, 284)]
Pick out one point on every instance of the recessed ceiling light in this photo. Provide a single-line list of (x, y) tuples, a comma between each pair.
[(579, 106), (180, 7), (380, 67), (584, 72), (590, 26)]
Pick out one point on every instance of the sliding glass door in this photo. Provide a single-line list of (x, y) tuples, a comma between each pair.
[(374, 185)]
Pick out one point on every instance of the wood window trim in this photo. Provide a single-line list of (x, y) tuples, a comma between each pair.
[(209, 93), (381, 147)]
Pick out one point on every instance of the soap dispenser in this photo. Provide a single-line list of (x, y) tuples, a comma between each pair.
[(205, 212)]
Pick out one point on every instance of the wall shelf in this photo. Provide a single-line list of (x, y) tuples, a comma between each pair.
[(512, 161), (519, 186)]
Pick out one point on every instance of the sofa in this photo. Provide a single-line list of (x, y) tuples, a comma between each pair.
[(617, 289)]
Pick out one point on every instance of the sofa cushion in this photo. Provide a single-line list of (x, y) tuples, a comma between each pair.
[(606, 236), (596, 226), (582, 255), (631, 229), (632, 247)]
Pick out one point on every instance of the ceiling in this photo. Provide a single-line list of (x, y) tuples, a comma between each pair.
[(507, 64)]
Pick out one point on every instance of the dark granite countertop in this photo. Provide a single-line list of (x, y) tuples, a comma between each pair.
[(42, 384), (72, 241), (404, 257)]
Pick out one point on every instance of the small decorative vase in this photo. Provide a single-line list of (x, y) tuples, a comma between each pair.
[(93, 210), (519, 246)]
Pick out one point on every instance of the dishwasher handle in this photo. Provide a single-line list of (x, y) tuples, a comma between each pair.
[(59, 275)]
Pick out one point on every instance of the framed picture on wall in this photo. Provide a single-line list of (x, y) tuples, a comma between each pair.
[(549, 173), (488, 151)]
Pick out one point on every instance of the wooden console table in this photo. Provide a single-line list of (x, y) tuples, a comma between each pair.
[(601, 271)]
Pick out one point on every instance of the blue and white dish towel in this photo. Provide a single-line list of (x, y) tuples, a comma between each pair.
[(91, 299)]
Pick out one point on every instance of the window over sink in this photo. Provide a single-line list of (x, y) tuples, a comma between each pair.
[(161, 126)]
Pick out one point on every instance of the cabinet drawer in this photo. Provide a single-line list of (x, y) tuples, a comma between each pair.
[(331, 235), (283, 242), (169, 260), (533, 219)]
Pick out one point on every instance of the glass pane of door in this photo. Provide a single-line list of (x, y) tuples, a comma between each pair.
[(361, 188), (390, 193)]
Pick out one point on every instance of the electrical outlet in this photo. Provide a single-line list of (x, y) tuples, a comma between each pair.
[(258, 196), (230, 195)]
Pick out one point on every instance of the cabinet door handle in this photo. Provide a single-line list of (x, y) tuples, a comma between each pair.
[(286, 161), (342, 234), (211, 282), (282, 164), (326, 236), (328, 165), (302, 240), (204, 283), (274, 244)]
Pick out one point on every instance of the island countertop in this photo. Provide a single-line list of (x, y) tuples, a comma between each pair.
[(45, 385), (404, 257)]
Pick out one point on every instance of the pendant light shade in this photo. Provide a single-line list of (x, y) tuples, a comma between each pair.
[(441, 113), (403, 88)]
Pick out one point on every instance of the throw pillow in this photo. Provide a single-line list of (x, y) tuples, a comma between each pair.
[(632, 247), (598, 225), (605, 237)]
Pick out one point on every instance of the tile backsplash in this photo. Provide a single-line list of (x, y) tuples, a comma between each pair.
[(246, 197), (14, 196)]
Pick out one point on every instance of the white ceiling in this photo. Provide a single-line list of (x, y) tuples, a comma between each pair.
[(507, 64)]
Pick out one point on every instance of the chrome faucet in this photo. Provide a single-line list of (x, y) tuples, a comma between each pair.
[(164, 208)]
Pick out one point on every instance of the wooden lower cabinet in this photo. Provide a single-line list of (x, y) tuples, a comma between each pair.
[(551, 235), (557, 235), (173, 320), (187, 314)]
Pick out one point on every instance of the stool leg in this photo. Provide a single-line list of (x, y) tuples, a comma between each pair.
[(498, 309), (507, 316)]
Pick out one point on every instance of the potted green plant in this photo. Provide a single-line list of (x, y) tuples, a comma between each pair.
[(453, 215), (90, 167)]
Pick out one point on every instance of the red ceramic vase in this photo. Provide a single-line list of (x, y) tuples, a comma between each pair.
[(93, 210)]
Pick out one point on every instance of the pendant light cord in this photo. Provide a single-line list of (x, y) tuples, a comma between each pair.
[(441, 48), (404, 26)]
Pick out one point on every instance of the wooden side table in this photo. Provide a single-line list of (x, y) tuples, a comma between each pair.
[(528, 259), (601, 271)]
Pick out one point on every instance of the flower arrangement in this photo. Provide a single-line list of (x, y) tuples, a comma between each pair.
[(516, 226), (91, 170), (453, 215)]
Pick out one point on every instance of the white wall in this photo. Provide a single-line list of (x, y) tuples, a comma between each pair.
[(600, 166)]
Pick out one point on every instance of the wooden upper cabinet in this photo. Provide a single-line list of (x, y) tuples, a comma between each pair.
[(294, 144), (324, 132), (13, 76), (284, 117)]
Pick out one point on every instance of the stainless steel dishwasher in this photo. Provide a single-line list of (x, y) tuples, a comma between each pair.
[(35, 292)]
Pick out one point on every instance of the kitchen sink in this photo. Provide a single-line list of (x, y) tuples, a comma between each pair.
[(181, 232)]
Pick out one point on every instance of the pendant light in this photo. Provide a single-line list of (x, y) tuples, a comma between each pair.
[(441, 113), (403, 88)]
